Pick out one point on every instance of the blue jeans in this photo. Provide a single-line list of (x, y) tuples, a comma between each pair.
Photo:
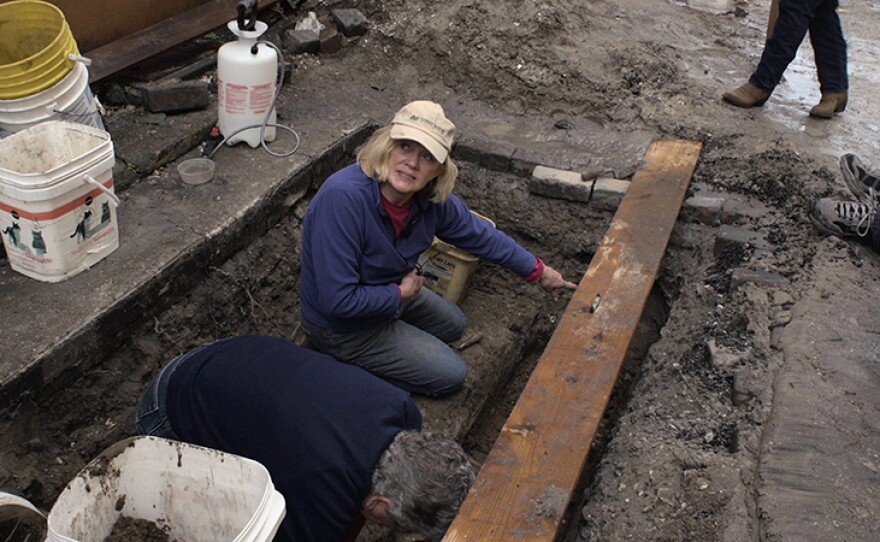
[(151, 416), (796, 17), (410, 351)]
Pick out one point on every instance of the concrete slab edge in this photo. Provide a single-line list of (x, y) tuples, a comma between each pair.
[(82, 349)]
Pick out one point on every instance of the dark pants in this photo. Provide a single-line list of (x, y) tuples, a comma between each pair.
[(796, 17), (151, 416)]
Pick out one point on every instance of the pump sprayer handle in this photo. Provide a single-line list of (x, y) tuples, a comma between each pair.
[(242, 8)]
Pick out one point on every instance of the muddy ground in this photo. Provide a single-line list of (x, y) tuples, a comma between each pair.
[(679, 454)]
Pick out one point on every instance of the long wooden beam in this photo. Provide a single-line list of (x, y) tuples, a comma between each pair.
[(198, 21), (527, 481)]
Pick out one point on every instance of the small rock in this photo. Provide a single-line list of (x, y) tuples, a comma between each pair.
[(113, 95), (331, 41), (350, 22), (297, 42), (781, 297)]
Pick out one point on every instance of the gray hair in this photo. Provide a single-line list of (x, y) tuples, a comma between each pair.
[(426, 477)]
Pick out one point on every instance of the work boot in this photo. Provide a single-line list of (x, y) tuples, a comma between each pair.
[(746, 96), (831, 103), (864, 184)]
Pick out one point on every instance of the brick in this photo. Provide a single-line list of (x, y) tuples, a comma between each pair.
[(297, 42), (608, 193), (490, 155), (521, 167), (350, 22), (738, 209), (561, 184), (730, 237), (331, 41), (174, 96), (703, 209), (741, 276)]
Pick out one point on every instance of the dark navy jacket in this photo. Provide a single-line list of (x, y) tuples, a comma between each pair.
[(317, 425), (351, 263)]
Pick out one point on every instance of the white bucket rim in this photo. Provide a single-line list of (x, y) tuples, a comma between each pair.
[(78, 77), (113, 459), (61, 172), (13, 505)]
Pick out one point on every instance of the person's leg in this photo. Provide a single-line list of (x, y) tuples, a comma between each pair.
[(398, 352), (151, 416), (788, 33), (430, 312), (829, 46)]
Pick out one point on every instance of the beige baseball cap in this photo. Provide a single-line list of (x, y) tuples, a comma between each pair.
[(424, 122)]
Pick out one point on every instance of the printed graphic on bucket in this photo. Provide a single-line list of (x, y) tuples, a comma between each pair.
[(56, 244), (448, 269)]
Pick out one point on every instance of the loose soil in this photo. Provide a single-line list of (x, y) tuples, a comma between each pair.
[(128, 529), (680, 444)]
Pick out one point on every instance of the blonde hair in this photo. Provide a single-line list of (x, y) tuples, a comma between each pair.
[(373, 159)]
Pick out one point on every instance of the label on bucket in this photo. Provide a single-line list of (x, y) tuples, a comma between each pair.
[(53, 245), (446, 274)]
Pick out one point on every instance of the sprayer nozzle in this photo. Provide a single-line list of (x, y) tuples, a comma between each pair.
[(241, 9)]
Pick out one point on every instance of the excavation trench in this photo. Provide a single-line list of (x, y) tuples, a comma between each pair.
[(50, 433)]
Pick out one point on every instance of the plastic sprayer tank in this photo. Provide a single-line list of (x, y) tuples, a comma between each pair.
[(246, 84)]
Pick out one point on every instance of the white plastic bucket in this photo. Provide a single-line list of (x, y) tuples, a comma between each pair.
[(69, 99), (57, 206), (20, 520), (195, 493)]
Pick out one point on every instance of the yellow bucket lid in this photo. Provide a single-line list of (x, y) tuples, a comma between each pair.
[(35, 44)]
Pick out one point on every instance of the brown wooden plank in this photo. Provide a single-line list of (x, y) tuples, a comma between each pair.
[(122, 53), (527, 481)]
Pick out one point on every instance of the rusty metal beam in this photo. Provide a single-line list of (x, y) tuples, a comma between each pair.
[(527, 481), (198, 21)]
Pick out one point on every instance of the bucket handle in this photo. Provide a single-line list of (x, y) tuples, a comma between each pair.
[(81, 59), (113, 197)]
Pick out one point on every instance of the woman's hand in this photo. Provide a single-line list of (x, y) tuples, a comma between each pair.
[(410, 285), (553, 282)]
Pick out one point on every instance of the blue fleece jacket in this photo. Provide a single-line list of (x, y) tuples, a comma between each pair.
[(351, 263)]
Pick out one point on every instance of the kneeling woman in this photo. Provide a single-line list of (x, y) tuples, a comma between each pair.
[(362, 298)]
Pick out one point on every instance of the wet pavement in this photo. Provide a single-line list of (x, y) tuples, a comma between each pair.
[(857, 130)]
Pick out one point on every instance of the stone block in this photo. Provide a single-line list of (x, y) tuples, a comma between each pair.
[(730, 238), (561, 184), (491, 155), (522, 167), (297, 42), (174, 96), (739, 208), (331, 41), (608, 193), (350, 22), (741, 276), (703, 209)]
